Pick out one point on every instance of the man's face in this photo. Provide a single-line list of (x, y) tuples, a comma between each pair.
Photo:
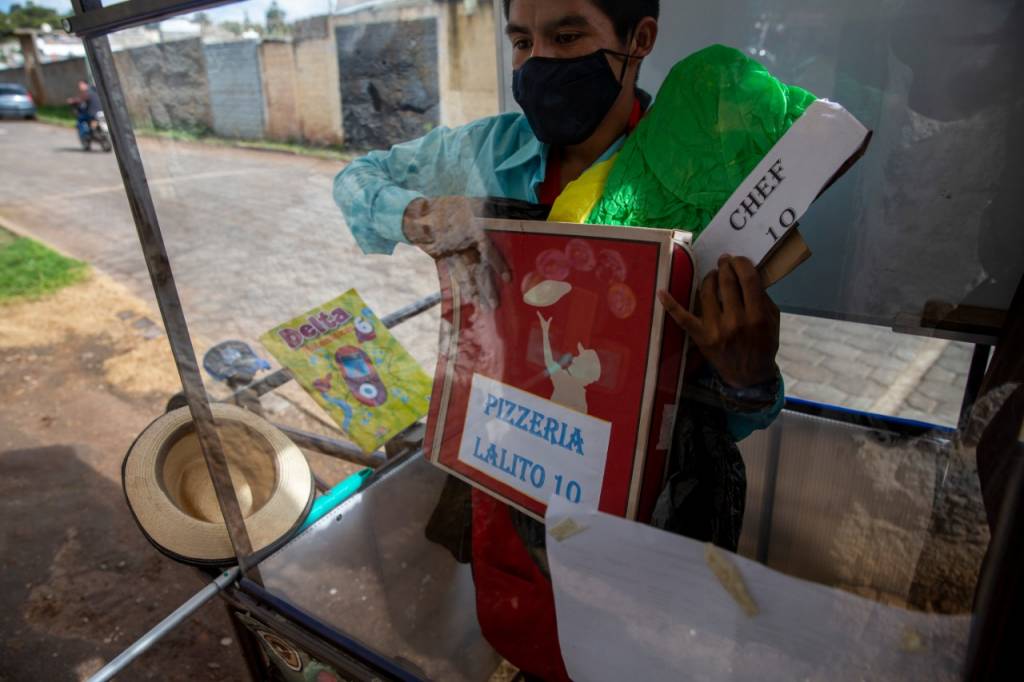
[(558, 28), (83, 87)]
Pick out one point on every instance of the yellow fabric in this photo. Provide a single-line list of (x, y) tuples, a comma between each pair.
[(580, 196)]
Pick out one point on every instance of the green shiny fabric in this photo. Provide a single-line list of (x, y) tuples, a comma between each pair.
[(716, 116)]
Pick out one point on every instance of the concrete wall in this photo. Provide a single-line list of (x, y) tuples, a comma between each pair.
[(165, 85), (60, 79), (388, 81), (316, 72), (398, 71), (468, 63), (280, 93), (236, 91), (16, 75)]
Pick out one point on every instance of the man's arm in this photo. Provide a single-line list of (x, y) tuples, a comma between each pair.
[(374, 191), (549, 359), (741, 418)]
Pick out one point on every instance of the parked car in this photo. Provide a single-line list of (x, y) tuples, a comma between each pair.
[(16, 102)]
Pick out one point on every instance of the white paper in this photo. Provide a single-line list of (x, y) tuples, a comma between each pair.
[(636, 603), (540, 448), (782, 187)]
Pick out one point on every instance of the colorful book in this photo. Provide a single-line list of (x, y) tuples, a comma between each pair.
[(353, 367), (569, 387)]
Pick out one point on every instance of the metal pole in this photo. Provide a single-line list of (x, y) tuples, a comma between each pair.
[(975, 377), (991, 650), (331, 447), (166, 625), (148, 227), (410, 311), (771, 482)]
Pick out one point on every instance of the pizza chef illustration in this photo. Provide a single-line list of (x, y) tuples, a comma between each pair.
[(570, 379)]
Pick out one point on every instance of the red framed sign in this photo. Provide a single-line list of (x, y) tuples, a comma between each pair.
[(569, 386)]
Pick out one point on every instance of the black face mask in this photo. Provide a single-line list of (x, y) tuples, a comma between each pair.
[(565, 100)]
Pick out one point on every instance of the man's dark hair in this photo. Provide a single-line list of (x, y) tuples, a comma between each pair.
[(625, 14)]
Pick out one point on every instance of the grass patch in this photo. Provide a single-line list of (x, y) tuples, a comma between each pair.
[(30, 270), (58, 115), (334, 153)]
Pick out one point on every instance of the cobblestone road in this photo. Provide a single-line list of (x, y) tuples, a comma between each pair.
[(254, 239)]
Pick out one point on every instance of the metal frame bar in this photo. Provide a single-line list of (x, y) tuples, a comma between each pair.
[(173, 620), (147, 225), (332, 447), (975, 378), (771, 482), (879, 422), (991, 642), (91, 19)]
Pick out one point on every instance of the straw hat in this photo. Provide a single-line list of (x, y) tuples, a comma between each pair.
[(172, 498)]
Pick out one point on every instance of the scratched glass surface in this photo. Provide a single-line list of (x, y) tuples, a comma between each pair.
[(243, 125)]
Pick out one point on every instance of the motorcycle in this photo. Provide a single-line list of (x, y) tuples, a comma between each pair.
[(97, 132)]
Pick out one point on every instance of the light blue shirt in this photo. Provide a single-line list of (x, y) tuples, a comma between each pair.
[(493, 157), (497, 156)]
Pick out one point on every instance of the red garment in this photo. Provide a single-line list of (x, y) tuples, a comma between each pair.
[(515, 603)]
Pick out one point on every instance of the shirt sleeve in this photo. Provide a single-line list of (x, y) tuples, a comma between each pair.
[(741, 423), (373, 191)]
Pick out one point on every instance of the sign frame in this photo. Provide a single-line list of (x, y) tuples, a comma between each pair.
[(662, 385)]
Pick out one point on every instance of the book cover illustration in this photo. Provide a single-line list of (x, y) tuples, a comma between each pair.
[(352, 366)]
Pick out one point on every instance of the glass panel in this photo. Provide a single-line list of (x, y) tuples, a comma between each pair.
[(873, 369), (897, 519), (242, 129), (929, 214), (244, 122), (368, 571)]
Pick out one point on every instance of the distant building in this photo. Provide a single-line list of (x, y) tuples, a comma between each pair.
[(54, 47)]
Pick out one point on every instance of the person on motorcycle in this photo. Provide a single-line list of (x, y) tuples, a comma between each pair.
[(86, 105)]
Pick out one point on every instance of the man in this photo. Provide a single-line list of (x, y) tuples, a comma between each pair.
[(87, 105), (576, 64)]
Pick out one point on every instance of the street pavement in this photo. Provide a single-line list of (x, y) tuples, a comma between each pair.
[(254, 239)]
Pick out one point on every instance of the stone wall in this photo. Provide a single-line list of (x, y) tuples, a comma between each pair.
[(388, 73), (165, 85), (60, 79), (236, 91), (396, 72), (277, 62)]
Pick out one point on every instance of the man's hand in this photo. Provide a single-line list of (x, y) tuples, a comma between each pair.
[(738, 327), (444, 228)]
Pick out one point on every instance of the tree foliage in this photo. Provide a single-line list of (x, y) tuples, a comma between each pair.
[(276, 23), (28, 15)]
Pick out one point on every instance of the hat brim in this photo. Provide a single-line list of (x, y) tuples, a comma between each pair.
[(192, 540)]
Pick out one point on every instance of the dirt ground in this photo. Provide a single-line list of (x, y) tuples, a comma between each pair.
[(81, 374)]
